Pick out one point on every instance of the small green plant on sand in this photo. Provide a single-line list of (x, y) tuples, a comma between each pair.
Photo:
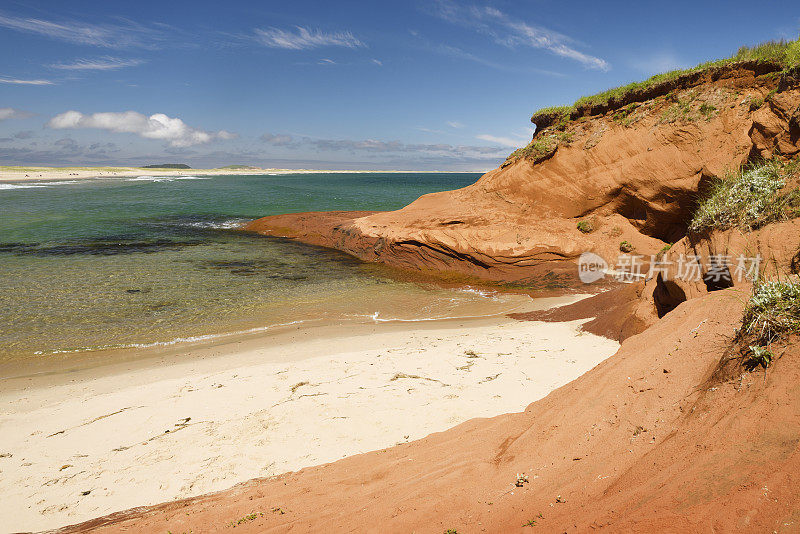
[(771, 94), (246, 519), (772, 311), (623, 115), (759, 357), (536, 150), (565, 137), (451, 531), (626, 247), (681, 110), (707, 110), (585, 226)]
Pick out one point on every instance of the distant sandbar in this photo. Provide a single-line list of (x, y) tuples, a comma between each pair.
[(61, 173)]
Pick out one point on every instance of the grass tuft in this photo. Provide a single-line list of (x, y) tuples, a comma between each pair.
[(759, 357), (681, 109), (246, 519), (537, 150), (707, 110), (748, 199), (772, 311)]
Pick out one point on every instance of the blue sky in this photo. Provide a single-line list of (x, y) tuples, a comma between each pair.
[(437, 84)]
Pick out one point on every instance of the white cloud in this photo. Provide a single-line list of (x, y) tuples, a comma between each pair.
[(278, 139), (101, 63), (505, 141), (122, 35), (457, 53), (455, 124), (304, 38), (326, 61), (437, 151), (525, 35), (512, 33), (156, 126), (442, 151), (378, 62), (368, 145), (226, 135), (11, 113), (17, 81)]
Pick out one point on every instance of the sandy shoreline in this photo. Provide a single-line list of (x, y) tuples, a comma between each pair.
[(12, 174), (167, 428)]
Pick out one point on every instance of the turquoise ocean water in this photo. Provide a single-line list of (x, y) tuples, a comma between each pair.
[(105, 263)]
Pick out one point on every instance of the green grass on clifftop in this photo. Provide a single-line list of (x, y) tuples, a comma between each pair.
[(783, 53)]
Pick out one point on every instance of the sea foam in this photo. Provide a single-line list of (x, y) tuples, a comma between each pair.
[(230, 224), (18, 186), (166, 178), (37, 185)]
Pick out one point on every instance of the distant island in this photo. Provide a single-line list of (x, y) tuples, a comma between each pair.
[(167, 166)]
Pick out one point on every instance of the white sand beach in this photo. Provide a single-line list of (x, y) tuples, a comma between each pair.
[(81, 444)]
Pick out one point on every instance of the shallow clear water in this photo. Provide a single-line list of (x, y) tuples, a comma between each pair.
[(127, 262)]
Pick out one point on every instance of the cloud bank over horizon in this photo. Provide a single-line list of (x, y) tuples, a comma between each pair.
[(12, 113), (157, 126)]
